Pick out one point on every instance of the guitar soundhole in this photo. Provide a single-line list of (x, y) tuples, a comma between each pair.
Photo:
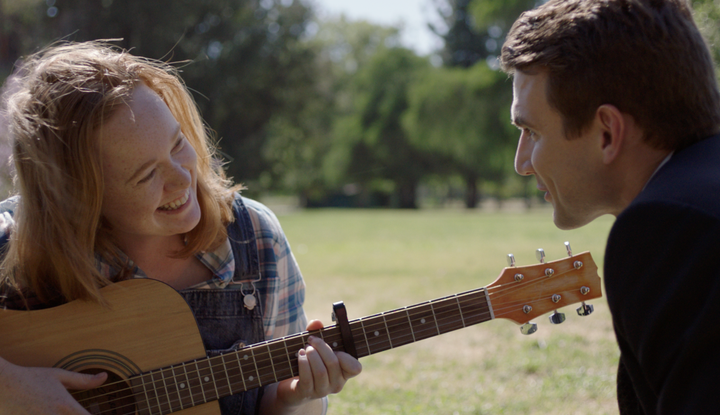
[(114, 397)]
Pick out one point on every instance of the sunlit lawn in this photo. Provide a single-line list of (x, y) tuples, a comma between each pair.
[(377, 260)]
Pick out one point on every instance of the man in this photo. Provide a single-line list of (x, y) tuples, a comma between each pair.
[(620, 112)]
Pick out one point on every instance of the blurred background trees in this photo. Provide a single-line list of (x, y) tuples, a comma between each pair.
[(333, 111)]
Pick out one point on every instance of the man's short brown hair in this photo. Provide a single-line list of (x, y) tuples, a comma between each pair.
[(646, 57)]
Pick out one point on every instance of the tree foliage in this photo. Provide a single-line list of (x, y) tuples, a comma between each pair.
[(462, 115)]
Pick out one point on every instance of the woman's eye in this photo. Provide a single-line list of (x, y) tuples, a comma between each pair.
[(148, 177), (179, 144), (530, 133)]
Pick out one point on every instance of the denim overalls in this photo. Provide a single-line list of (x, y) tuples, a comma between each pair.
[(225, 323)]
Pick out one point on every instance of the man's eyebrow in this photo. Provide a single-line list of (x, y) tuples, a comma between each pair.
[(520, 122)]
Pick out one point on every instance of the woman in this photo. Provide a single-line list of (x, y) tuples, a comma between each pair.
[(116, 179)]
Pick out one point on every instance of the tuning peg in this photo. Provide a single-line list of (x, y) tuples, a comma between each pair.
[(511, 260), (557, 318), (585, 309), (567, 248), (540, 255), (528, 328)]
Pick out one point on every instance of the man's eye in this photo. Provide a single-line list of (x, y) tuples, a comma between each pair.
[(530, 133)]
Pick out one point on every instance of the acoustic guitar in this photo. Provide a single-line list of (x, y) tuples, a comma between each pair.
[(147, 340)]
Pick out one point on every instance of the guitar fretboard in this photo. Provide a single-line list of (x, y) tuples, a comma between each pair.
[(178, 387)]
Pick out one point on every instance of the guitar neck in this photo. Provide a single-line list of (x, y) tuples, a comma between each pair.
[(188, 384)]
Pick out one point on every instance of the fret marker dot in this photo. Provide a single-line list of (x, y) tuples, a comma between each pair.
[(182, 386), (245, 357), (207, 379), (422, 320), (377, 333), (334, 344), (251, 378)]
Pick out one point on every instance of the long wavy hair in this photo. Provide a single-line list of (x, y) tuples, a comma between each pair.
[(64, 95)]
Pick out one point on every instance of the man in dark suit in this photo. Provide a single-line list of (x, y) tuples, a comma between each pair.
[(619, 110)]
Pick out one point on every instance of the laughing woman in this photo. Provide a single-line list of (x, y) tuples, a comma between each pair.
[(116, 179)]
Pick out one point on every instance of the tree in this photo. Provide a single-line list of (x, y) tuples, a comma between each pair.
[(243, 59), (372, 146), (299, 146), (462, 116)]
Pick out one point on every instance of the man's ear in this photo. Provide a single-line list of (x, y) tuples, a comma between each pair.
[(613, 129)]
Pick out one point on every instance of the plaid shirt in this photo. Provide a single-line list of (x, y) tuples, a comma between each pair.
[(280, 274)]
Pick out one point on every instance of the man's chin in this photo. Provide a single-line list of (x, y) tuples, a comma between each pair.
[(568, 222)]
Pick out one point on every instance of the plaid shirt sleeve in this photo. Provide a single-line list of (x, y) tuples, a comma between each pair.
[(281, 277)]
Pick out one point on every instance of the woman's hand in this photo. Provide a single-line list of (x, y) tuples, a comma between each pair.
[(322, 372), (35, 390)]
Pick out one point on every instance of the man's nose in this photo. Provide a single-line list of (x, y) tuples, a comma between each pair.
[(523, 157)]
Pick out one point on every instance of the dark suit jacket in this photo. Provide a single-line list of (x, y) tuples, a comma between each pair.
[(662, 281)]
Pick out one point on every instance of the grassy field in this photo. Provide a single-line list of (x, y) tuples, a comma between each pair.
[(377, 260)]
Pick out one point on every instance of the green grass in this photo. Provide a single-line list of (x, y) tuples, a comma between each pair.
[(377, 260)]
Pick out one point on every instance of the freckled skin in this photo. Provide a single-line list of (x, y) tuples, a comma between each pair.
[(147, 164)]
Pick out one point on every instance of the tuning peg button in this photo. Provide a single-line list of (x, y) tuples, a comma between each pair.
[(567, 248), (511, 260), (585, 309), (540, 255), (557, 318), (528, 328)]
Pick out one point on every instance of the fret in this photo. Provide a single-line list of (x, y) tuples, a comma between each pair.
[(474, 307), (140, 389), (179, 384), (377, 333), (272, 363), (387, 331), (157, 395), (289, 360), (227, 375), (242, 375), (362, 326), (201, 381), (248, 367), (457, 300), (423, 321), (185, 386), (167, 392), (193, 384), (252, 352), (434, 318), (399, 327), (447, 313), (412, 332), (295, 343), (212, 378)]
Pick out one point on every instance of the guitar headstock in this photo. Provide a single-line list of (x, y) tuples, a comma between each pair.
[(523, 293)]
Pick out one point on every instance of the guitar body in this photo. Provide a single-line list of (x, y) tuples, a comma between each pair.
[(146, 325), (147, 339)]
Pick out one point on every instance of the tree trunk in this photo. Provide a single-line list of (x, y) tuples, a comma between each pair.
[(471, 192)]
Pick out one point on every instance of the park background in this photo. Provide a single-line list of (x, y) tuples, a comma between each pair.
[(390, 168)]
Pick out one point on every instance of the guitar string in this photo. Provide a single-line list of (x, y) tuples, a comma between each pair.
[(172, 401), (305, 334), (239, 367), (261, 361), (472, 292), (169, 403), (420, 333)]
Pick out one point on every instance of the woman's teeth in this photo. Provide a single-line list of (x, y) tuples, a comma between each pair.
[(177, 203)]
